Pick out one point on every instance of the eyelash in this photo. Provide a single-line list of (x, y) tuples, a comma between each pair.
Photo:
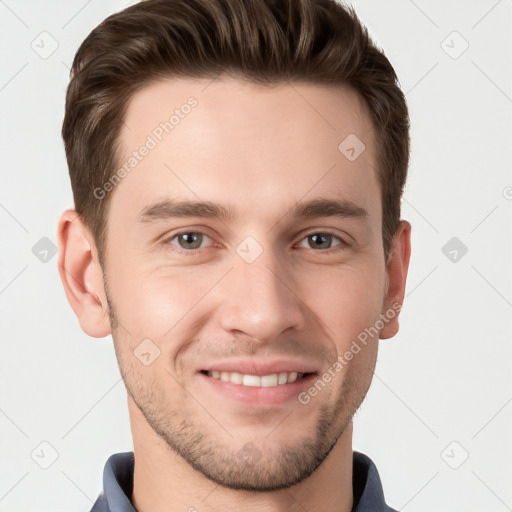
[(191, 252)]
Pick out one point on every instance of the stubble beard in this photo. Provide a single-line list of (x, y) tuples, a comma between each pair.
[(249, 468)]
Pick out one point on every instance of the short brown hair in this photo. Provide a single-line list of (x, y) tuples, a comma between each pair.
[(265, 41)]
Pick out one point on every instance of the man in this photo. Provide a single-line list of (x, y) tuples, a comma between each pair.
[(237, 168)]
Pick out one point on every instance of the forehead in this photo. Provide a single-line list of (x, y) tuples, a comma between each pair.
[(227, 138)]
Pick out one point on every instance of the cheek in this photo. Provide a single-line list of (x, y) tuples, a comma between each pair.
[(348, 299), (151, 300)]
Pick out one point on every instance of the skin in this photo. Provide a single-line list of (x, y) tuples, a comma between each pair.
[(258, 150)]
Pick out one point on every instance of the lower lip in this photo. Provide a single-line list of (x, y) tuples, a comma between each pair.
[(259, 395)]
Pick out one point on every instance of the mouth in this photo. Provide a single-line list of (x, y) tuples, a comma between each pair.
[(265, 381), (261, 391)]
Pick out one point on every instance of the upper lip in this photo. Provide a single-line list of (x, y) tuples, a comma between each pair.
[(260, 368)]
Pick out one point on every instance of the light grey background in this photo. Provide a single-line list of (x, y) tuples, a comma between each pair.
[(442, 390)]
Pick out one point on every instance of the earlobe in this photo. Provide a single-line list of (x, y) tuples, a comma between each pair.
[(81, 275), (396, 268)]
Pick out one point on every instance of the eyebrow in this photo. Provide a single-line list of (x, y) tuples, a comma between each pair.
[(314, 208)]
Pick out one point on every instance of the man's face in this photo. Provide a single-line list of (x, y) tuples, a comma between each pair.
[(272, 288)]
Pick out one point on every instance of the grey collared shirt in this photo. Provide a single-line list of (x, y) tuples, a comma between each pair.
[(118, 485)]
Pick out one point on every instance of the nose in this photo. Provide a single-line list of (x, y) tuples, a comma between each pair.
[(259, 299)]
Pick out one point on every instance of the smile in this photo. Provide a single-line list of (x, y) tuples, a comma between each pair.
[(274, 379)]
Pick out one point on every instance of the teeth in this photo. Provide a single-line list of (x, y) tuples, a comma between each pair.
[(237, 378), (251, 380), (283, 378), (293, 377), (264, 381), (269, 380)]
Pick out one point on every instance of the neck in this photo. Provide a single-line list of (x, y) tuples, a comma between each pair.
[(164, 481)]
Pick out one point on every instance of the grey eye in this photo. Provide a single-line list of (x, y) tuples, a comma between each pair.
[(189, 240), (321, 241)]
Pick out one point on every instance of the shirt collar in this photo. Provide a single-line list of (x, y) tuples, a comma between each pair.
[(118, 485)]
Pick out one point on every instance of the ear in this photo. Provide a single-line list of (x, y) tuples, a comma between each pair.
[(396, 271), (81, 275)]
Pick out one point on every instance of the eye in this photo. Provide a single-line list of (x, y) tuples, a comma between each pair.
[(188, 240), (321, 241)]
